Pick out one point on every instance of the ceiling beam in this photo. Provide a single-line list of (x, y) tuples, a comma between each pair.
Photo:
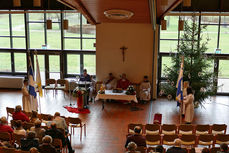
[(174, 5), (77, 4)]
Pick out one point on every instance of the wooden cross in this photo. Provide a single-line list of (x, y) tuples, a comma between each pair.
[(123, 48)]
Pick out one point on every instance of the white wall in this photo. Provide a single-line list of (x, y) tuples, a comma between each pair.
[(139, 55)]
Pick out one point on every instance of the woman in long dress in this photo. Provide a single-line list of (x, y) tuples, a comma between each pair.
[(189, 106), (26, 103), (145, 89)]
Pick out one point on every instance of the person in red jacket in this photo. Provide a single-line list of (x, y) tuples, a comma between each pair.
[(18, 115), (123, 82), (4, 127)]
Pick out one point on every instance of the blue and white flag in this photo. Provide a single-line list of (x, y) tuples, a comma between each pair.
[(32, 90), (179, 86)]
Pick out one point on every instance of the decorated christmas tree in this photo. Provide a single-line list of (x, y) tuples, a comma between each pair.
[(197, 65)]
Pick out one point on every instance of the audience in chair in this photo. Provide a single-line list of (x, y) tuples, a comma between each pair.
[(60, 122), (39, 131), (46, 146), (145, 89), (131, 147), (29, 142), (177, 148), (223, 148), (136, 138), (110, 82), (57, 134), (4, 127), (34, 116), (205, 150), (19, 115), (19, 129), (33, 150), (123, 83)]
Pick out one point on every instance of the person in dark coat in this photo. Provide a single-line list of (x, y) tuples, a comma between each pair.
[(29, 142), (136, 138), (57, 134), (177, 148), (46, 146)]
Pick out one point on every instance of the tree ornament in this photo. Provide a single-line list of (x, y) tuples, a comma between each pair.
[(169, 97)]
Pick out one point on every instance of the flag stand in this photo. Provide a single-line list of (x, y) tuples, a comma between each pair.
[(181, 110), (39, 104)]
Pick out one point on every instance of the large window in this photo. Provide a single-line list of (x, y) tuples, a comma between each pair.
[(61, 52), (217, 36), (18, 30), (36, 30), (5, 62), (20, 62)]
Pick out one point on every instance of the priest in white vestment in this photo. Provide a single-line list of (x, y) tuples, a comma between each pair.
[(145, 89), (110, 82), (26, 103), (189, 106)]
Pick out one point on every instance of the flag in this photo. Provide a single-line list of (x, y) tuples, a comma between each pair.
[(38, 78), (179, 85), (32, 91)]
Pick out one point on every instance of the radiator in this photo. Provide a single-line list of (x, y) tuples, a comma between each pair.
[(11, 82)]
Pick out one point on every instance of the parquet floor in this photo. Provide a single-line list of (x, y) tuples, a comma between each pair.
[(106, 130)]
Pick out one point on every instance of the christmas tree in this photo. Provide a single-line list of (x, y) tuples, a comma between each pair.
[(196, 64)]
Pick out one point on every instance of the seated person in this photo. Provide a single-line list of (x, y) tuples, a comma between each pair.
[(46, 146), (39, 131), (19, 115), (33, 150), (34, 116), (145, 89), (85, 76), (205, 150), (110, 82), (4, 127), (60, 122), (57, 134), (19, 129), (136, 138), (131, 147), (29, 142), (123, 83), (223, 148), (177, 148)]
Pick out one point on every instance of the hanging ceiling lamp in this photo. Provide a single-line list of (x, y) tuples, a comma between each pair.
[(65, 24), (187, 3), (49, 24), (163, 24), (17, 3), (37, 3), (181, 25)]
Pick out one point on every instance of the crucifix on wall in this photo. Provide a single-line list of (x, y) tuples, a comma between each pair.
[(123, 48)]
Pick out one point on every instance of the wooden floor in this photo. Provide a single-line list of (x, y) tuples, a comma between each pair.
[(106, 129)]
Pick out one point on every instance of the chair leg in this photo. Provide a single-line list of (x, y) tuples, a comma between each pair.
[(85, 130), (81, 128)]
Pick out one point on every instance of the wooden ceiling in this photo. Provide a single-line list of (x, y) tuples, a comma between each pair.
[(93, 10)]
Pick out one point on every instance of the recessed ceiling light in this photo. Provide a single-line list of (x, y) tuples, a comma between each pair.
[(118, 14)]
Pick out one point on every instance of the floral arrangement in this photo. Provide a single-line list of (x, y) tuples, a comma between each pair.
[(130, 90), (102, 89), (78, 92)]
